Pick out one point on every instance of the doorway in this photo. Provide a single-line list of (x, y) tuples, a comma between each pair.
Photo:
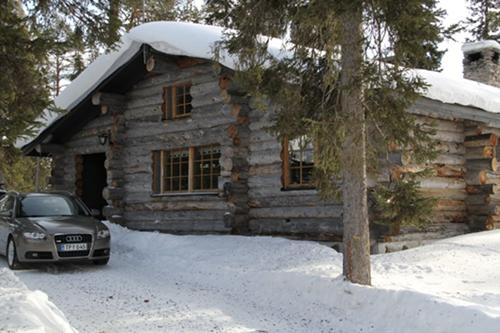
[(94, 180)]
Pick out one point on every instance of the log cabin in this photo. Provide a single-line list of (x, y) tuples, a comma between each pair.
[(156, 136)]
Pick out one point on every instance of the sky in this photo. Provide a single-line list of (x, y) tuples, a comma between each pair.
[(452, 60)]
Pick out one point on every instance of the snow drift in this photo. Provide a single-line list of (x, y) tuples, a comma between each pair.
[(22, 310)]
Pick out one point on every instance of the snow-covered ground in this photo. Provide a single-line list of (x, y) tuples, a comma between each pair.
[(22, 310), (164, 283)]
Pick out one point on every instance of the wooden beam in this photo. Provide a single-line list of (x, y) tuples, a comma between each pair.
[(51, 148), (157, 65), (437, 109), (109, 99)]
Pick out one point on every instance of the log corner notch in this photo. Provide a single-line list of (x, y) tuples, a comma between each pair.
[(482, 178), (156, 66), (113, 105), (239, 132)]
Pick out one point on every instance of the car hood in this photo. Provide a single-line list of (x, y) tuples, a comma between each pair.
[(66, 224)]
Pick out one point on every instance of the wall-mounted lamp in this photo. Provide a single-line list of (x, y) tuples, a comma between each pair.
[(103, 138)]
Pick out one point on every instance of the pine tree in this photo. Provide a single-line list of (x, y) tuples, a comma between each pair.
[(484, 19), (35, 38), (46, 44), (334, 88), (23, 62)]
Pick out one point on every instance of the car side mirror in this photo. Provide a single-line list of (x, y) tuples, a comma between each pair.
[(95, 212)]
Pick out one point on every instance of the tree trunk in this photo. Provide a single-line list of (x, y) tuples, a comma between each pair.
[(356, 265)]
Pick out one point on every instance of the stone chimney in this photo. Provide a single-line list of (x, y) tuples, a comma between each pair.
[(481, 62)]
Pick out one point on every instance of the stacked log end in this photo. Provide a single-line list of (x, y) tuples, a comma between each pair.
[(114, 105), (482, 178), (445, 179)]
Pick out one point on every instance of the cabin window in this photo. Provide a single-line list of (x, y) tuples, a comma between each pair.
[(298, 163), (206, 168), (186, 170), (177, 101)]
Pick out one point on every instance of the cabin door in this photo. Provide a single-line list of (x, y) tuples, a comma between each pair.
[(93, 180)]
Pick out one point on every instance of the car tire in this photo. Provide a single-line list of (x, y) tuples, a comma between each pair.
[(12, 259), (101, 262)]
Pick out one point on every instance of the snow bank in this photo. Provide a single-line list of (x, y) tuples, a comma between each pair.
[(22, 310)]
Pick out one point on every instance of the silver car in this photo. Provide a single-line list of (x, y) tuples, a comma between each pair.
[(49, 227)]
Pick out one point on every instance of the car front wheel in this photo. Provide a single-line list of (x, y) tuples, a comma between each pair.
[(12, 259)]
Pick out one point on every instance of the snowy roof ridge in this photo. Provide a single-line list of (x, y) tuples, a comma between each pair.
[(198, 40), (472, 47)]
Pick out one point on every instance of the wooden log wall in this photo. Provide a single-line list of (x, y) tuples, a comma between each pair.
[(113, 105), (57, 176), (445, 183), (482, 176), (273, 210), (250, 197), (216, 118), (300, 213), (68, 163)]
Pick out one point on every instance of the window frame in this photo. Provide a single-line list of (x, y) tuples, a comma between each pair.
[(172, 113), (191, 176), (286, 170)]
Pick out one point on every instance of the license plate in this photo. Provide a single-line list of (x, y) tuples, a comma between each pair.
[(73, 247)]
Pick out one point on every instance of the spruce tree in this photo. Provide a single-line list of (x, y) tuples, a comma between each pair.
[(35, 37), (335, 87), (484, 19)]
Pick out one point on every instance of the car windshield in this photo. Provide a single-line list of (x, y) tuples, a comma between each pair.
[(50, 205)]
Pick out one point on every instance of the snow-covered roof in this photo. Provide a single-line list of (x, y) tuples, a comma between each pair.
[(479, 46), (460, 91), (174, 38), (198, 41)]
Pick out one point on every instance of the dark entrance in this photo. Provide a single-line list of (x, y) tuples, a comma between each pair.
[(94, 181)]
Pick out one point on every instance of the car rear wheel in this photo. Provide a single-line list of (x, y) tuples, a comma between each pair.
[(101, 262), (12, 259)]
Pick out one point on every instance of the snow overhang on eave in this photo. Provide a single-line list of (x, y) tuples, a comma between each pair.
[(77, 104)]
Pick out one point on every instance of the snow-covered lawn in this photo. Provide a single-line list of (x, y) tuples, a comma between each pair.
[(164, 283)]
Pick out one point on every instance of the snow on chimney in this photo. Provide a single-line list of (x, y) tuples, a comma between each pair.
[(481, 62)]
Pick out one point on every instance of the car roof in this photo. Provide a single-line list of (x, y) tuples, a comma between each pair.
[(44, 194)]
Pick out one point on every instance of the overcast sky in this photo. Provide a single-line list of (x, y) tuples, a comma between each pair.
[(452, 60)]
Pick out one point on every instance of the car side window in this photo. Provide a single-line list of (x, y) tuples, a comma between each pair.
[(2, 203), (6, 204)]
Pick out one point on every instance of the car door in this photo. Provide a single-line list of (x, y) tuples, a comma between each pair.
[(6, 206)]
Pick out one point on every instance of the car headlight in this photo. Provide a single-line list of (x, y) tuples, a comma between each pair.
[(34, 235), (101, 234)]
